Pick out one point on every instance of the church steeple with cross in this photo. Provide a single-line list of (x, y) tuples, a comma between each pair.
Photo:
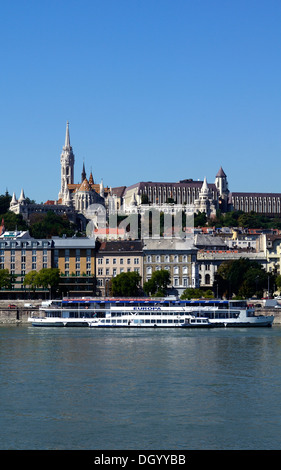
[(67, 166)]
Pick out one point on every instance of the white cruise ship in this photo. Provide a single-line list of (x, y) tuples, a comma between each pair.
[(148, 313)]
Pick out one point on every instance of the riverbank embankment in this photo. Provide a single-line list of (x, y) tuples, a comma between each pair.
[(17, 312)]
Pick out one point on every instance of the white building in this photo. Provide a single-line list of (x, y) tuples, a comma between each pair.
[(179, 257)]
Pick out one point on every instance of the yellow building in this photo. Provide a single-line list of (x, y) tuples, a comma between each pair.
[(75, 258)]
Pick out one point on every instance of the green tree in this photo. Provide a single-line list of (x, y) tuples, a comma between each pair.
[(158, 283), (231, 219), (191, 293), (242, 277), (5, 200), (200, 219), (125, 284), (252, 220), (50, 225), (6, 279), (278, 282), (48, 278), (14, 221), (245, 220), (31, 280)]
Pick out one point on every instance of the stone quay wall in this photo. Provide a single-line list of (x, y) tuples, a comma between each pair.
[(14, 312)]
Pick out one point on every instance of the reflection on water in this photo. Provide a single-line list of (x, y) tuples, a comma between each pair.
[(136, 389)]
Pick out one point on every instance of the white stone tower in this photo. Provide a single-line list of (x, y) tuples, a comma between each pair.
[(67, 168), (205, 202), (222, 187)]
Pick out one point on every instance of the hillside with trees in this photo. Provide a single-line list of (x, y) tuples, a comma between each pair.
[(40, 225), (245, 220)]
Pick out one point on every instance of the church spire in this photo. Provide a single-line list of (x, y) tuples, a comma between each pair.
[(67, 138), (83, 174), (67, 165)]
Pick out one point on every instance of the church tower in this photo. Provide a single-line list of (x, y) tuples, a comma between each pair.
[(204, 202), (67, 167), (222, 187)]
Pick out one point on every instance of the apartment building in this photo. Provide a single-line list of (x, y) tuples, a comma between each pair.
[(177, 256), (75, 258), (115, 257), (271, 245), (20, 254)]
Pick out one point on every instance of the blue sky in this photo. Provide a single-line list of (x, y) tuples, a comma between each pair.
[(154, 90)]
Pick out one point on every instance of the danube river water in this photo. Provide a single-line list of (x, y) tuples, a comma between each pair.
[(79, 388)]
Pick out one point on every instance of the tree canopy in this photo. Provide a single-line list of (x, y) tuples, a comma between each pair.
[(278, 282), (49, 225), (5, 200), (47, 278), (125, 284), (245, 220), (191, 293), (243, 278), (13, 221), (158, 284), (6, 279)]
